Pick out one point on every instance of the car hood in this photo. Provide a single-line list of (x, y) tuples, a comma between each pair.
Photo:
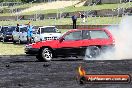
[(8, 33), (51, 34)]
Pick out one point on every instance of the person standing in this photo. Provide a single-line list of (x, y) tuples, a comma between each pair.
[(74, 19), (17, 27), (83, 17), (29, 33)]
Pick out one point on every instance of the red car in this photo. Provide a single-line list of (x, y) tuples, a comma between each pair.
[(73, 43)]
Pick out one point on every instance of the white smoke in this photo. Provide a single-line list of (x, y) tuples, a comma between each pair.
[(123, 42)]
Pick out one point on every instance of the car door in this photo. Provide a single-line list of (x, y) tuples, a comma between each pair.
[(36, 36), (23, 33), (16, 34), (1, 33), (71, 43), (86, 41)]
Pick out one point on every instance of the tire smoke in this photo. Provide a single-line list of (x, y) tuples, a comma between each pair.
[(123, 41)]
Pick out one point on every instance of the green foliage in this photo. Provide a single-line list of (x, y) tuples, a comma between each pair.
[(16, 0), (10, 0), (26, 1)]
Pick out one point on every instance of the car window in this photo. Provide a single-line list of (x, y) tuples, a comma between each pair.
[(74, 36), (38, 32), (24, 29), (17, 29), (86, 34), (48, 30), (98, 34)]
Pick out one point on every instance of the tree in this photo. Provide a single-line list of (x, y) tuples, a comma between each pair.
[(10, 0)]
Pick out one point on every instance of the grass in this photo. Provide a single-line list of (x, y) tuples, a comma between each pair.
[(11, 49), (69, 9), (27, 5), (7, 9), (82, 8), (67, 21)]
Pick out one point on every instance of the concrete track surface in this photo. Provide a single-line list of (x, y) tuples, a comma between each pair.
[(27, 72)]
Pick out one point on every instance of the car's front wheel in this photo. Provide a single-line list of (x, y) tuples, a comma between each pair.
[(45, 55)]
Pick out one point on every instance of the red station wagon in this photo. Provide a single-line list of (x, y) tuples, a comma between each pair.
[(75, 42)]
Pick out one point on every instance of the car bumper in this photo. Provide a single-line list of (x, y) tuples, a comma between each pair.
[(1, 36), (31, 51), (23, 39), (9, 38)]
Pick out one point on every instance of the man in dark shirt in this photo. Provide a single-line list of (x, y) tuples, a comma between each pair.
[(74, 19), (17, 27)]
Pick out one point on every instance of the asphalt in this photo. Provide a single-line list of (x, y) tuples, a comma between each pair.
[(26, 72)]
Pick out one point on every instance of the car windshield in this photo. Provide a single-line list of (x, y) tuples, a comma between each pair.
[(24, 29), (49, 30), (11, 29)]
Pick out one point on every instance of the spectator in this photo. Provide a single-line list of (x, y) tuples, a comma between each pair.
[(74, 19), (29, 33), (17, 27), (83, 17)]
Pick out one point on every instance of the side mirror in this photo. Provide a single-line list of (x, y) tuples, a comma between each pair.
[(61, 39)]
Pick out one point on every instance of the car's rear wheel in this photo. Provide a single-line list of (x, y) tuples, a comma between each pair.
[(92, 52), (45, 55)]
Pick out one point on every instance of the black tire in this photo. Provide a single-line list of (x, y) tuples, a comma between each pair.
[(92, 52), (45, 55), (13, 41)]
